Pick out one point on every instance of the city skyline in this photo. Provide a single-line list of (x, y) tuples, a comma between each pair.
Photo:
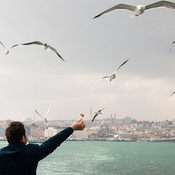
[(92, 48), (111, 129)]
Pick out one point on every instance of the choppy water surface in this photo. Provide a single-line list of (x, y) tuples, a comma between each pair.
[(109, 158)]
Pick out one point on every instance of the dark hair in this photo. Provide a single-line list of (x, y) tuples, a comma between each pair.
[(14, 132)]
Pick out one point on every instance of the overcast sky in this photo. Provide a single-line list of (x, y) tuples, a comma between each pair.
[(31, 78)]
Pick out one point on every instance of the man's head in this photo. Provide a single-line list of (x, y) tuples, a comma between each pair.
[(15, 133)]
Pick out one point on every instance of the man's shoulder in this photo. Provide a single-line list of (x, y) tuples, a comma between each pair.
[(3, 149), (32, 146)]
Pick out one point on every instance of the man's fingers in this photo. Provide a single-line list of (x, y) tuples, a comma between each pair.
[(80, 120)]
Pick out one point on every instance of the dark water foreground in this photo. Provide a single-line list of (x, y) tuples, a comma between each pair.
[(109, 158)]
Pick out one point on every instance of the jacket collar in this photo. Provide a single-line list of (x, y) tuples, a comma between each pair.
[(20, 144)]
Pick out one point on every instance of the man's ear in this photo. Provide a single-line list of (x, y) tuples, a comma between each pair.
[(23, 139)]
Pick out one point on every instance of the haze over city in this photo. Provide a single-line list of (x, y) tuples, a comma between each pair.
[(32, 78)]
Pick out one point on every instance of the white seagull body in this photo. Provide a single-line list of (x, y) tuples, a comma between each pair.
[(171, 46), (44, 118), (139, 9), (97, 113), (45, 45), (6, 51), (113, 76)]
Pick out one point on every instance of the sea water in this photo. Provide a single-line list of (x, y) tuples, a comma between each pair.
[(109, 158)]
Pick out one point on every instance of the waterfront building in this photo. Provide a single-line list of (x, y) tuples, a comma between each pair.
[(36, 133), (173, 122), (49, 132), (105, 130), (173, 133), (79, 135), (2, 132)]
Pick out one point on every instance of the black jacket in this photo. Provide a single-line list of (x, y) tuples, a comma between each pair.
[(21, 159)]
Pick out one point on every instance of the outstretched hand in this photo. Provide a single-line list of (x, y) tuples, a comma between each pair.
[(78, 125)]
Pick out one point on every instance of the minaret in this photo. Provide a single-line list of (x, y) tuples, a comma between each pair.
[(90, 113), (115, 116), (111, 116)]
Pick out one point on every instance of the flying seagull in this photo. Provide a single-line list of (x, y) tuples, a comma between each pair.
[(45, 45), (171, 46), (172, 93), (139, 9), (44, 118), (6, 51), (113, 76), (97, 113)]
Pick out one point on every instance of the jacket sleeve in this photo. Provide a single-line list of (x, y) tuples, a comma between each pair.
[(52, 143)]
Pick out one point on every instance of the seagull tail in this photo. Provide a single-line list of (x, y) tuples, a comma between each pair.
[(133, 15)]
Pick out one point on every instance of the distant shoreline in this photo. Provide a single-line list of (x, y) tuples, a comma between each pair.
[(168, 140)]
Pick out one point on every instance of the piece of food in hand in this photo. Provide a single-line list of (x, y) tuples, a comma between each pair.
[(82, 115)]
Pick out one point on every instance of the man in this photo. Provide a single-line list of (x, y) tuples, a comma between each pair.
[(20, 159)]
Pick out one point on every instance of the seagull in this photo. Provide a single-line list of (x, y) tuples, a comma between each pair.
[(45, 45), (97, 113), (172, 93), (44, 118), (113, 76), (171, 46), (6, 51), (139, 9)]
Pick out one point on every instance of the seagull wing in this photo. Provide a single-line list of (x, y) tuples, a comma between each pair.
[(38, 113), (121, 65), (6, 51), (171, 46), (106, 77), (101, 110), (2, 44), (119, 6), (53, 49), (15, 45), (34, 42), (94, 117), (160, 4), (47, 111), (172, 93)]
